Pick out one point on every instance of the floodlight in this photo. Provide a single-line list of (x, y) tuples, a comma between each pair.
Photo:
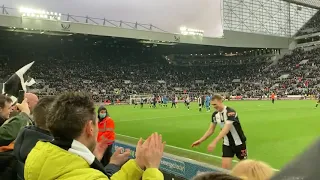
[(38, 13), (183, 28)]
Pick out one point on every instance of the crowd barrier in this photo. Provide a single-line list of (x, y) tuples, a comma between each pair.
[(175, 167)]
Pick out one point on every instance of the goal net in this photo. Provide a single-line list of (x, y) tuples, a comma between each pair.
[(137, 98)]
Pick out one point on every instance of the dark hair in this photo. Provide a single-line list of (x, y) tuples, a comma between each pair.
[(41, 110), (69, 113), (217, 97), (4, 99), (215, 176)]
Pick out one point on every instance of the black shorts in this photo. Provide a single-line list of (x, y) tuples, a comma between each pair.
[(200, 105), (240, 151)]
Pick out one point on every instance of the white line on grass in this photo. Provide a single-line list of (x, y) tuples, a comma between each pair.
[(187, 150), (160, 117)]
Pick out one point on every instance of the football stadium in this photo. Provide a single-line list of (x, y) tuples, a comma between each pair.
[(117, 90)]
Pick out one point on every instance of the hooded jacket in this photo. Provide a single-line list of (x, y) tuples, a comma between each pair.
[(26, 140), (106, 127), (48, 161)]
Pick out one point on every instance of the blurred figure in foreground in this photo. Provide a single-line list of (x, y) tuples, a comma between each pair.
[(253, 170), (305, 166), (215, 176)]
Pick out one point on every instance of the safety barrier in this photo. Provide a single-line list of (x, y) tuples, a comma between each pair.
[(175, 167)]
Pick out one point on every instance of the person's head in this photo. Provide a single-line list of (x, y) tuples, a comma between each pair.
[(217, 102), (253, 170), (32, 100), (5, 106), (41, 110), (102, 113), (215, 176), (72, 116)]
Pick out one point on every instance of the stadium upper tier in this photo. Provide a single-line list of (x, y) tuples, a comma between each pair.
[(115, 68)]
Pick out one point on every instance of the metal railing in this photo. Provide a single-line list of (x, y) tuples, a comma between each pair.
[(91, 20)]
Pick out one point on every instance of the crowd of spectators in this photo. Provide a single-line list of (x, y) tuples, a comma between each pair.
[(115, 72)]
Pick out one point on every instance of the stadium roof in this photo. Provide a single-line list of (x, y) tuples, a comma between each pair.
[(8, 37), (308, 3)]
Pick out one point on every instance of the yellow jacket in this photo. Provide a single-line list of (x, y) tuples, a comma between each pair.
[(47, 161)]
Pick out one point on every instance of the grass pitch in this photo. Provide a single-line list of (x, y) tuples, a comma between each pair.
[(276, 133)]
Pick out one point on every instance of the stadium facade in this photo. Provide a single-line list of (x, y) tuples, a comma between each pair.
[(271, 17), (246, 23)]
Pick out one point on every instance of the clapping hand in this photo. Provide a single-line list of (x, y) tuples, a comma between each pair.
[(149, 153), (100, 149)]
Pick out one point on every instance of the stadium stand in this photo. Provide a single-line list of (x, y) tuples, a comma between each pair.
[(129, 67), (83, 64)]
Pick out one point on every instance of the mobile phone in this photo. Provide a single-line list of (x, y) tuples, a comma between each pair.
[(21, 96)]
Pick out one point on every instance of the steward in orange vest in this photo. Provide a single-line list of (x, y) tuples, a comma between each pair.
[(106, 131)]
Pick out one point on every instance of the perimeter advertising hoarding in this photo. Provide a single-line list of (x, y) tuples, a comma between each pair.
[(174, 166)]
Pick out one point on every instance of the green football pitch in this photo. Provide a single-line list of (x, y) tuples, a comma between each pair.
[(276, 133)]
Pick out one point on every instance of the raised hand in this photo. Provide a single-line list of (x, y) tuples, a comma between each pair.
[(24, 107), (100, 149), (150, 152), (119, 158)]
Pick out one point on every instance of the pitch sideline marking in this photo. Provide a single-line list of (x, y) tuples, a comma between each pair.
[(188, 150), (156, 118)]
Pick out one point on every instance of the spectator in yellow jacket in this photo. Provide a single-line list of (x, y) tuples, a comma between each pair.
[(75, 154)]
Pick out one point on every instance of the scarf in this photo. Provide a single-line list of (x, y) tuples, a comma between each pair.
[(75, 147)]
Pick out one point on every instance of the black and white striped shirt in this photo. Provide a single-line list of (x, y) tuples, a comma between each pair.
[(236, 135)]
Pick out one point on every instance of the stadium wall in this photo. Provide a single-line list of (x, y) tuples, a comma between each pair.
[(230, 39), (174, 167)]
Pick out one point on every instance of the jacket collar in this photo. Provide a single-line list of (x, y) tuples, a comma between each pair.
[(77, 148), (81, 150), (38, 129)]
